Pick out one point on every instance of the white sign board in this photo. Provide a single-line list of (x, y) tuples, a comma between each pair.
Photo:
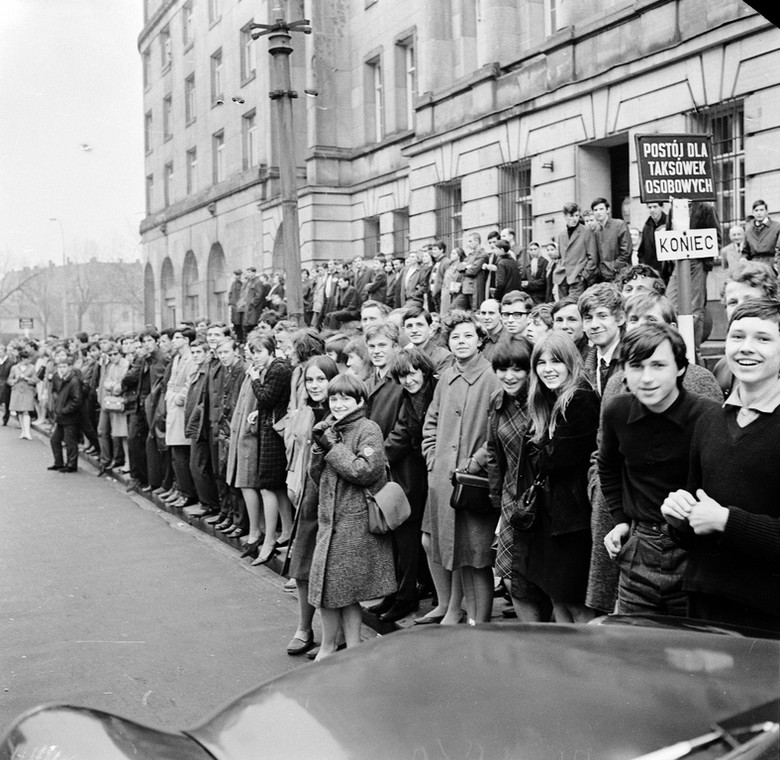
[(688, 244)]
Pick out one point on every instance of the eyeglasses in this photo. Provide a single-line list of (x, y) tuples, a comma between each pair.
[(513, 314)]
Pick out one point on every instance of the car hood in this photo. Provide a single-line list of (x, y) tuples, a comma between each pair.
[(527, 691)]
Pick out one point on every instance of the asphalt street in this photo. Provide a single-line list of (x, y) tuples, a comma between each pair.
[(107, 602)]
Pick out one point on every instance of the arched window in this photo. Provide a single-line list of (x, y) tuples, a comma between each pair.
[(217, 284), (167, 294), (190, 286), (149, 295)]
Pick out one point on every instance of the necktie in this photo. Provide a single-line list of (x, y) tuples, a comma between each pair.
[(603, 374)]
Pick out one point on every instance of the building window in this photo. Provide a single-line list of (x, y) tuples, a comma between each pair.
[(165, 48), (375, 101), (249, 139), (514, 199), (406, 83), (726, 124), (248, 55), (550, 17), (167, 117), (192, 170), (216, 77), (189, 98), (168, 185), (148, 132), (147, 64), (400, 230), (186, 24), (149, 192), (449, 213), (218, 147), (370, 237), (215, 12)]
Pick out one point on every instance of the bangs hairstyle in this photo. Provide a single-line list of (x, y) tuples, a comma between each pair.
[(457, 317), (348, 385), (545, 407), (642, 303), (358, 347), (640, 344), (388, 329), (754, 274), (543, 313), (201, 343), (337, 343), (604, 294), (324, 363), (259, 339), (759, 308), (307, 343), (641, 270), (512, 353), (407, 360)]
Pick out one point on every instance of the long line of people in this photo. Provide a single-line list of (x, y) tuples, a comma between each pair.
[(616, 478)]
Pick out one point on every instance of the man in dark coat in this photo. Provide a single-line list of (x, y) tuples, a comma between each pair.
[(507, 275), (613, 241), (6, 362), (66, 389), (647, 252), (234, 296)]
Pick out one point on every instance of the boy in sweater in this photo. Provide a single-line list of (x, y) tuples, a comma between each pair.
[(729, 516)]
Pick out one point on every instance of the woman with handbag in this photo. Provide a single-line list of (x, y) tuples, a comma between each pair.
[(350, 564), (507, 426), (303, 492), (564, 419), (112, 423), (458, 541)]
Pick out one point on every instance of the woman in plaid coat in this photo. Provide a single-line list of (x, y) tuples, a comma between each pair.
[(271, 382)]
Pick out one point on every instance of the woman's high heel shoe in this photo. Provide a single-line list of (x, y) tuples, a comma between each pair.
[(263, 560), (250, 550)]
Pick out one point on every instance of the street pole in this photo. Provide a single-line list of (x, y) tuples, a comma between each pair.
[(64, 280), (282, 94), (685, 319)]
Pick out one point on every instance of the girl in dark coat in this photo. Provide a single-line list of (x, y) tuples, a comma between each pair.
[(271, 383), (317, 372), (350, 563), (564, 413)]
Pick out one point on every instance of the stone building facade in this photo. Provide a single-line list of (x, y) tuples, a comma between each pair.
[(426, 119)]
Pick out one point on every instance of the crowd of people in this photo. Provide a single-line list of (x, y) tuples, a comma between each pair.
[(536, 406)]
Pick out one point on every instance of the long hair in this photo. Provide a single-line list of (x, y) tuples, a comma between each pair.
[(545, 407)]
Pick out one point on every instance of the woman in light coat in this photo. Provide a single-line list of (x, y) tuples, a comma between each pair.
[(112, 425), (22, 379), (458, 543)]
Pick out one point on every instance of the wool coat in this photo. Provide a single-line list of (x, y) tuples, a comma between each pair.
[(272, 395), (350, 563), (183, 373), (579, 256), (384, 401), (22, 380), (243, 449), (455, 428), (614, 247), (67, 400)]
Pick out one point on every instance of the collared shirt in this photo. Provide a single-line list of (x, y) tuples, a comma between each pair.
[(606, 357), (766, 403)]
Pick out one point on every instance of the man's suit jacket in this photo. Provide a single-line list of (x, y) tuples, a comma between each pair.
[(579, 256), (537, 284), (591, 363), (408, 283), (614, 248), (376, 288), (730, 255)]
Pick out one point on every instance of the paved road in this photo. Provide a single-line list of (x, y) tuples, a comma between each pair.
[(107, 602)]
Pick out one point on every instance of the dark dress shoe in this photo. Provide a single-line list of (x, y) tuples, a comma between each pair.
[(401, 609), (68, 469), (383, 606), (250, 550), (55, 467), (103, 469), (299, 646)]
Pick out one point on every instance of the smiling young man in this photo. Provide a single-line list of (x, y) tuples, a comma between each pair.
[(567, 319), (643, 455), (729, 514), (418, 326), (603, 316)]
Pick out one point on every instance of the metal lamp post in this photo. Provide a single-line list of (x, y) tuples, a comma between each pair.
[(64, 279), (282, 94)]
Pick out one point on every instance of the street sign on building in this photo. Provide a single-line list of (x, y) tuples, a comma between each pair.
[(26, 323), (675, 166), (671, 245)]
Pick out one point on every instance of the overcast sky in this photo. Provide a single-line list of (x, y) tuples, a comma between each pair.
[(70, 75)]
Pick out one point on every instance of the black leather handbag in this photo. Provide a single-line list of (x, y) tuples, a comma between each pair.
[(470, 493)]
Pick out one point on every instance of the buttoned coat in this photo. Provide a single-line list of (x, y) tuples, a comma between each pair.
[(455, 428), (350, 564), (183, 373), (272, 394), (243, 449), (614, 247), (579, 256)]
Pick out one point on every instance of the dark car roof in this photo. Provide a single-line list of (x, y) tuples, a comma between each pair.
[(528, 691)]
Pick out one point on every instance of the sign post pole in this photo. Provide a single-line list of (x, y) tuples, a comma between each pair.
[(681, 223)]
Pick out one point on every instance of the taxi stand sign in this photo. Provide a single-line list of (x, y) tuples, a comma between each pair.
[(675, 165), (688, 244)]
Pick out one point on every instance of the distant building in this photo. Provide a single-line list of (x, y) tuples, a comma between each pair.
[(432, 118), (102, 297)]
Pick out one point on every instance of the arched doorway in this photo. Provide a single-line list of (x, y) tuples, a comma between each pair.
[(149, 295), (190, 283), (167, 294), (217, 284)]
